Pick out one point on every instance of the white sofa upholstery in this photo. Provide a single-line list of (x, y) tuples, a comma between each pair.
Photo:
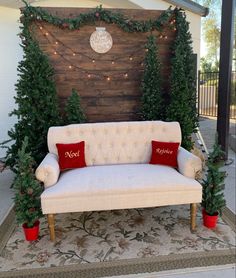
[(118, 175)]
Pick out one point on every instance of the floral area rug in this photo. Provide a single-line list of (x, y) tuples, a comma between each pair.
[(112, 236)]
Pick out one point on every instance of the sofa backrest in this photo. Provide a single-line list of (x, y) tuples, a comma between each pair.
[(115, 142)]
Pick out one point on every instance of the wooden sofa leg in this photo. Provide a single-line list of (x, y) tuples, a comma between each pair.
[(193, 214), (51, 226)]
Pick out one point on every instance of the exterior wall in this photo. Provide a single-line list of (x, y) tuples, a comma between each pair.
[(11, 52)]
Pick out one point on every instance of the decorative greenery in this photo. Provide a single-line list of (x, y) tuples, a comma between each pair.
[(73, 111), (182, 105), (128, 25), (212, 187), (37, 102), (152, 98), (27, 189)]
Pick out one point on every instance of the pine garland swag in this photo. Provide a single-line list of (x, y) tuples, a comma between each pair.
[(126, 24), (27, 189), (152, 95), (73, 111), (36, 100), (182, 103)]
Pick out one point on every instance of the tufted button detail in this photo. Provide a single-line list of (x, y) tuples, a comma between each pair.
[(164, 129), (99, 145), (68, 132), (123, 144), (105, 131), (118, 158)]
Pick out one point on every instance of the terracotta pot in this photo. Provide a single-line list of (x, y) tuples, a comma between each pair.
[(209, 221), (31, 233)]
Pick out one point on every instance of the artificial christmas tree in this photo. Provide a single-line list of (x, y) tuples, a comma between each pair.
[(27, 191), (36, 100), (213, 187), (73, 111), (182, 104), (152, 98)]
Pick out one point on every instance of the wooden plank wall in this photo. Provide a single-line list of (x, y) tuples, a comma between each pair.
[(77, 66)]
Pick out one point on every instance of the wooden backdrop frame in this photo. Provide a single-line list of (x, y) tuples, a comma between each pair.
[(107, 93)]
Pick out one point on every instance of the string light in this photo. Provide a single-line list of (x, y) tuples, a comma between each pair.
[(165, 37), (160, 36), (76, 67), (146, 50)]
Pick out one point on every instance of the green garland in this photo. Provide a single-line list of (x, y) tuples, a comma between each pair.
[(128, 25)]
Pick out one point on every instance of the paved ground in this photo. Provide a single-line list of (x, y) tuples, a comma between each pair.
[(227, 271)]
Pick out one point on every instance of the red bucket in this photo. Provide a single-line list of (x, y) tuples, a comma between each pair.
[(31, 233), (209, 221)]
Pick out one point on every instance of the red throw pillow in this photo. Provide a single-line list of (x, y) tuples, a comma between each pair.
[(164, 153), (71, 155)]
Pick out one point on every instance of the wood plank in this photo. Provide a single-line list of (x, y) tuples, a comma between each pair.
[(102, 100)]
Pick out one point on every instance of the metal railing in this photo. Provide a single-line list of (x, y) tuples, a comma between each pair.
[(208, 94)]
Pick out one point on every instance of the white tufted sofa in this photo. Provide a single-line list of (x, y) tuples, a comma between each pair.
[(118, 175)]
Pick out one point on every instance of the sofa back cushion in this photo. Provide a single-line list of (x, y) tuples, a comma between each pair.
[(115, 142)]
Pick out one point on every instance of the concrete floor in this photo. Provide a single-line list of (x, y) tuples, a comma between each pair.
[(227, 271), (6, 193)]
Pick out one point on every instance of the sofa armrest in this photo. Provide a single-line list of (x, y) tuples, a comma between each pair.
[(48, 171), (188, 164)]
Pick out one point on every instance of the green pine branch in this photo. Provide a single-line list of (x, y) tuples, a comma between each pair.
[(27, 189), (73, 111), (36, 101), (213, 185), (152, 94), (182, 103)]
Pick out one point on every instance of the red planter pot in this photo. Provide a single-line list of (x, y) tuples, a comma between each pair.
[(31, 233), (209, 221)]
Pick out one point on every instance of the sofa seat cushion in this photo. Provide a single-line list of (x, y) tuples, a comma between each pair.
[(119, 186)]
